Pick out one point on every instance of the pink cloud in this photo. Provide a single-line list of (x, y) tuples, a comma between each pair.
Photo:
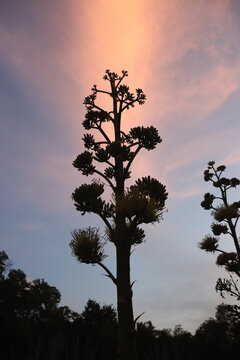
[(149, 40), (203, 27)]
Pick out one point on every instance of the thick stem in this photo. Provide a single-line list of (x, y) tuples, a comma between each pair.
[(229, 221), (234, 236), (126, 325)]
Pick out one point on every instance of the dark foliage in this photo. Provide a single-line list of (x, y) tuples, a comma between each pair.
[(33, 326)]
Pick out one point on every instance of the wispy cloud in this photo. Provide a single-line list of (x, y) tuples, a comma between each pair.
[(192, 71)]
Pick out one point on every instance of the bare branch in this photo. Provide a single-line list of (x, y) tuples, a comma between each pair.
[(133, 283), (235, 285), (135, 320), (102, 91), (129, 104), (105, 178), (101, 143), (106, 161), (121, 78), (133, 157), (134, 144), (107, 223), (236, 222), (103, 133), (93, 105), (123, 133)]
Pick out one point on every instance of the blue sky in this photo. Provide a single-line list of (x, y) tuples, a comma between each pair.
[(186, 57)]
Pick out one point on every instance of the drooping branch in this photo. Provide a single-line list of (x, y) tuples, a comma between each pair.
[(109, 273)]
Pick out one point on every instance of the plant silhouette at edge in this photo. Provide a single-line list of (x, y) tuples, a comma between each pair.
[(226, 215)]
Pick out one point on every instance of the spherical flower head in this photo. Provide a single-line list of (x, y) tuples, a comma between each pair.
[(229, 260), (209, 243), (223, 212), (86, 246)]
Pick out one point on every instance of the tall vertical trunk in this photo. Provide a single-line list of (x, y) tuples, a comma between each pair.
[(126, 326)]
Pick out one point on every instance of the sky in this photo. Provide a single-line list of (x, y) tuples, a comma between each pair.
[(185, 55)]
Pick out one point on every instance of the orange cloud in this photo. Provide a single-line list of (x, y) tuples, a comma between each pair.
[(117, 33)]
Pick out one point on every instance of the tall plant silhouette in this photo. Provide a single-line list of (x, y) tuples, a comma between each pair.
[(226, 215), (129, 208)]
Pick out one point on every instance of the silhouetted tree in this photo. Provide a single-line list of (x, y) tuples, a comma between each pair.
[(29, 315), (211, 340), (141, 203), (100, 330), (230, 316), (3, 263), (226, 215), (182, 340), (218, 338), (146, 341)]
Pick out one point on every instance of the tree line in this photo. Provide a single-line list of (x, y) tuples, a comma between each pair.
[(34, 326)]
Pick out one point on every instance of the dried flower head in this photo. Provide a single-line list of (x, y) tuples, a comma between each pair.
[(209, 243), (86, 246)]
